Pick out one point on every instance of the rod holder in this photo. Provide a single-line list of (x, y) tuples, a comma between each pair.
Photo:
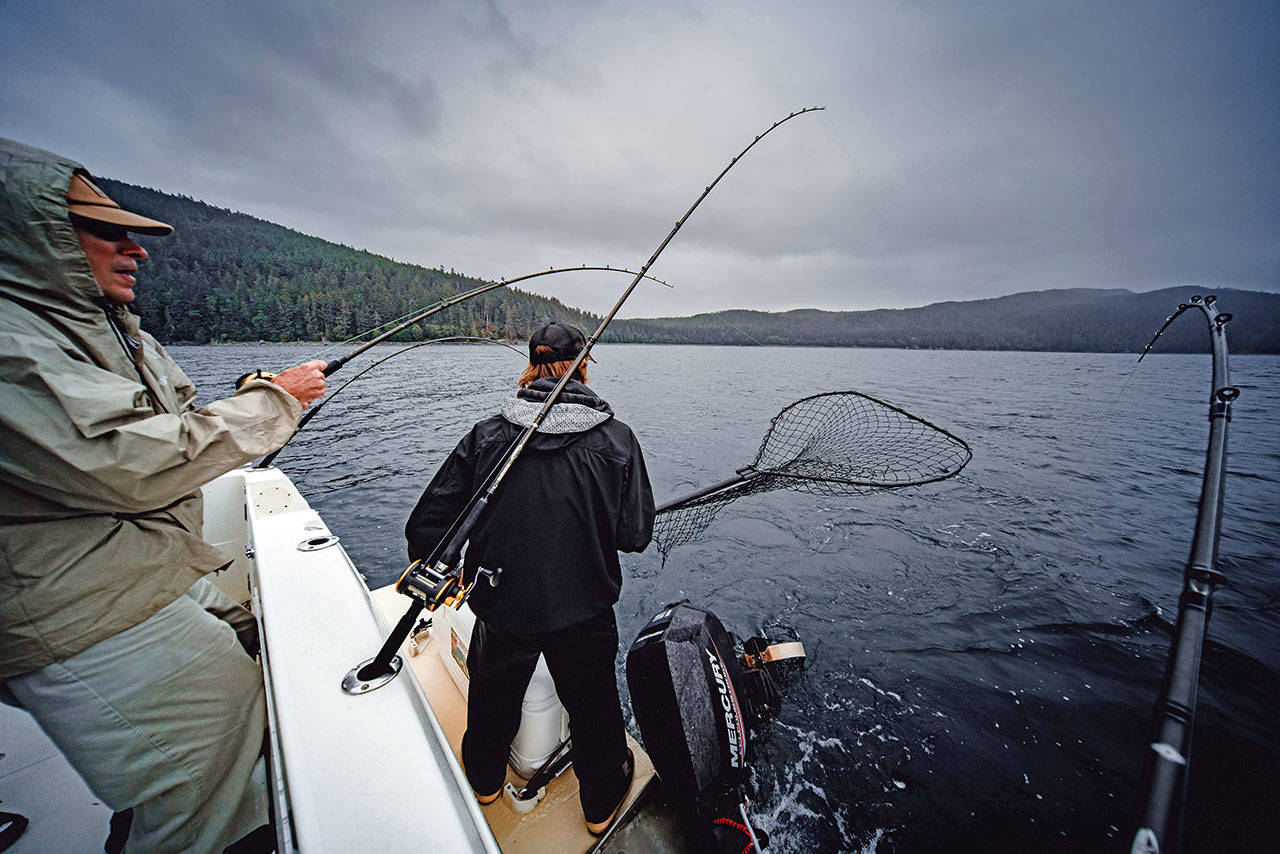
[(366, 677)]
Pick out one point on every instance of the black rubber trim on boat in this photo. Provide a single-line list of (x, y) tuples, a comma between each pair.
[(12, 826)]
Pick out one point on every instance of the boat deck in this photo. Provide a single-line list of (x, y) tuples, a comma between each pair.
[(374, 771), (555, 824), (38, 783)]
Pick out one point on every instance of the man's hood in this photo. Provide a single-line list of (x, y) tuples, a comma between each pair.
[(42, 266), (576, 410)]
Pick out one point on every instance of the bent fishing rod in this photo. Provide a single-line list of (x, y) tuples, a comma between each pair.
[(333, 367), (449, 302), (438, 580), (1162, 793)]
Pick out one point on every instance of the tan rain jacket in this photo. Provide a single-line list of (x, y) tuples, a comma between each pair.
[(101, 455)]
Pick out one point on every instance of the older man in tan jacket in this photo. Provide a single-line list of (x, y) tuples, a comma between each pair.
[(110, 636)]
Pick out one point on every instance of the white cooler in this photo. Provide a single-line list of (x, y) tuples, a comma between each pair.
[(543, 722)]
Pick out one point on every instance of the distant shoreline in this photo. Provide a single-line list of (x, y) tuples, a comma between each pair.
[(234, 279), (748, 345)]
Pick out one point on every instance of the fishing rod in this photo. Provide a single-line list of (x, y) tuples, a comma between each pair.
[(1162, 793), (332, 367), (266, 461), (438, 580), (449, 302)]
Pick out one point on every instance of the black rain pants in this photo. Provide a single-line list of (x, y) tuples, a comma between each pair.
[(581, 660)]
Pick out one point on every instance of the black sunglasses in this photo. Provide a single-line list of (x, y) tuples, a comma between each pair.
[(101, 230)]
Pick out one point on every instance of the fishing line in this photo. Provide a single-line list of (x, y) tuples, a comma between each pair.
[(312, 412), (739, 328), (332, 367), (1115, 400), (370, 331), (501, 281), (893, 244), (1117, 397)]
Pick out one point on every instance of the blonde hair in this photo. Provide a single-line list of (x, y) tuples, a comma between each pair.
[(552, 369)]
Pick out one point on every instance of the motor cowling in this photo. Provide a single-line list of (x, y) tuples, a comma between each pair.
[(686, 692), (695, 698)]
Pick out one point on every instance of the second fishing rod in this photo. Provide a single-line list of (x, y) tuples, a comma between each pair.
[(438, 580), (400, 325)]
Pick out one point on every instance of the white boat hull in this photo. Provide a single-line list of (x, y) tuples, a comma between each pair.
[(350, 772), (373, 771)]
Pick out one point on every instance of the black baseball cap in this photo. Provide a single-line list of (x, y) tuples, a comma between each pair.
[(564, 341)]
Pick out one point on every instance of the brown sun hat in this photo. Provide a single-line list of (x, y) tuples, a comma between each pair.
[(84, 199)]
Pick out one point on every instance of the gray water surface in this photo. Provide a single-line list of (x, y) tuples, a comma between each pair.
[(984, 652)]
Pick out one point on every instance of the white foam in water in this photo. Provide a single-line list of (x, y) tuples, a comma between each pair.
[(795, 779), (870, 847), (883, 693), (957, 532)]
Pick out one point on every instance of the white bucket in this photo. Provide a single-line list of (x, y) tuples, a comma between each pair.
[(543, 720)]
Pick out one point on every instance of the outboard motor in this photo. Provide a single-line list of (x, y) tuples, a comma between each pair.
[(694, 699)]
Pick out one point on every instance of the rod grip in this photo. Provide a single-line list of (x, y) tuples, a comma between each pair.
[(381, 662), (453, 550)]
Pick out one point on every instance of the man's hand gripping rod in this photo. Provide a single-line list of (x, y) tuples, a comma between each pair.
[(438, 581)]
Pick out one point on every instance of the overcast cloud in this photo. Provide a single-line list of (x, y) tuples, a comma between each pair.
[(968, 149)]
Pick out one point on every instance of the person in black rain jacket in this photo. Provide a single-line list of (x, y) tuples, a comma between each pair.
[(578, 495)]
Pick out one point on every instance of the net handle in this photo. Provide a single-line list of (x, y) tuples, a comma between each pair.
[(743, 475)]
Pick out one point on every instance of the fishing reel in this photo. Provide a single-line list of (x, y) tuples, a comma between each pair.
[(257, 374), (429, 588), (434, 586)]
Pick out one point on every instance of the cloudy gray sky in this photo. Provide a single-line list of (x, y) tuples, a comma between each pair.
[(968, 150)]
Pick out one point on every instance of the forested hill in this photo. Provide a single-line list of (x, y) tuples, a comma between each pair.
[(225, 276), (1077, 320)]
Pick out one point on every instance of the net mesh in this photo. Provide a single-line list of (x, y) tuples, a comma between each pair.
[(838, 443)]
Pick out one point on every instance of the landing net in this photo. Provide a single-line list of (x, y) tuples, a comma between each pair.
[(838, 443)]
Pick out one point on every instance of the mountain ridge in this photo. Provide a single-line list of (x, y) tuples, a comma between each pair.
[(1065, 320), (229, 276)]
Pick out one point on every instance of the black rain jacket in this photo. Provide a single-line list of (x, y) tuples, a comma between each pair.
[(578, 494)]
